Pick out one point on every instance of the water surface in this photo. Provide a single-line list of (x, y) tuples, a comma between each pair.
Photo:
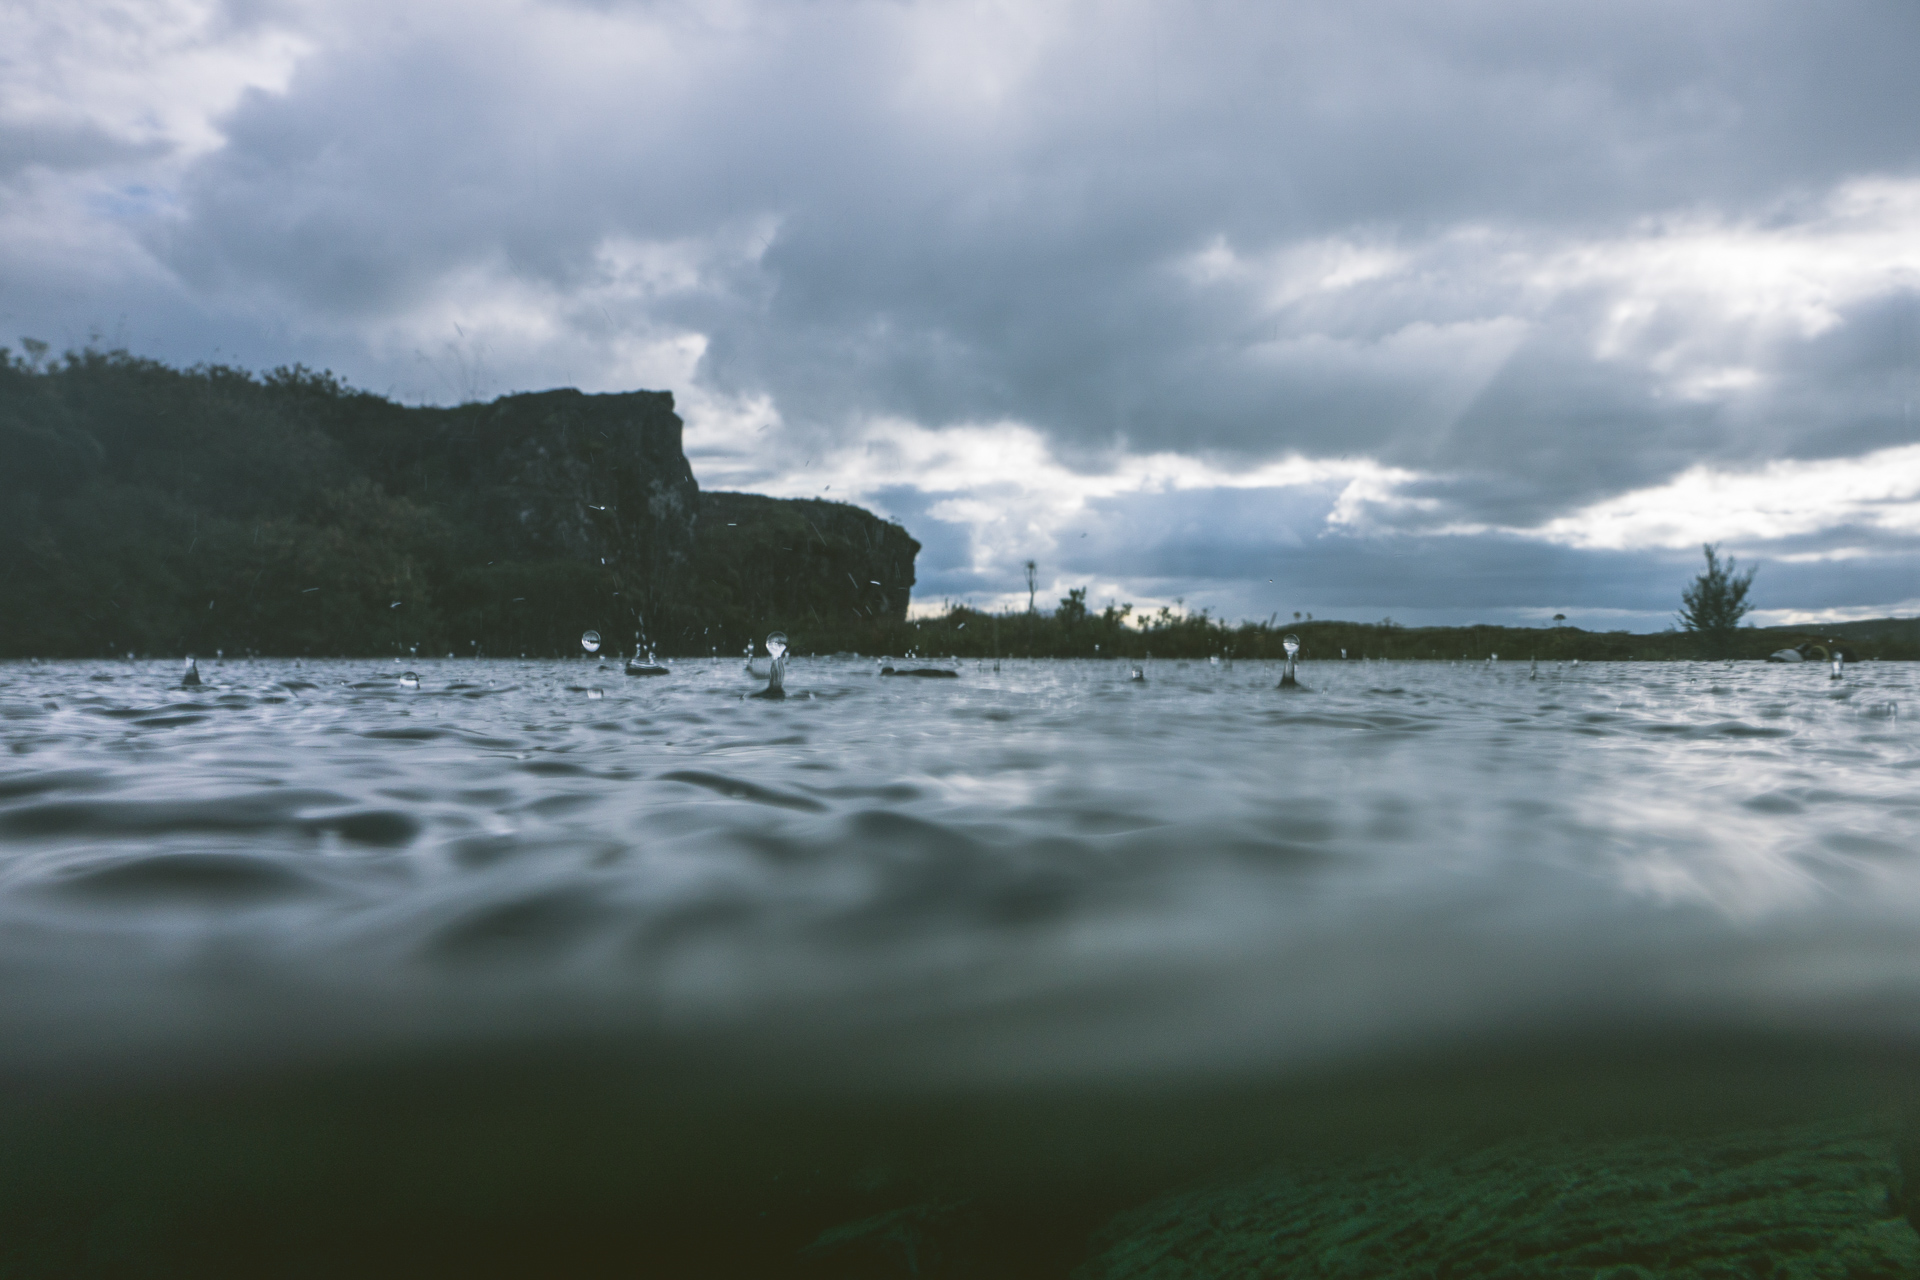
[(1040, 930)]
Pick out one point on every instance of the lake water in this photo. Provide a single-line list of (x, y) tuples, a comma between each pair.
[(540, 966)]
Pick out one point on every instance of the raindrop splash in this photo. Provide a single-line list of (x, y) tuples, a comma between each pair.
[(777, 669), (590, 641), (408, 680), (1292, 645), (191, 676)]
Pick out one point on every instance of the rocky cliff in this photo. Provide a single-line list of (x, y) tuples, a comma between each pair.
[(161, 510), (824, 567)]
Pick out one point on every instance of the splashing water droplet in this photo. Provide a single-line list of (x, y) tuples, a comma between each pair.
[(590, 641), (776, 669), (1291, 644), (408, 680), (594, 694)]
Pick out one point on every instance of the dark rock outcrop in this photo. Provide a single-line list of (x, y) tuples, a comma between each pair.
[(804, 562), (595, 480), (162, 510)]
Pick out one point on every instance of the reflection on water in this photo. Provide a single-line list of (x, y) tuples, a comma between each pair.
[(1045, 941)]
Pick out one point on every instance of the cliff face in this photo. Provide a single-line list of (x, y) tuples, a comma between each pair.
[(160, 510), (592, 480), (819, 566)]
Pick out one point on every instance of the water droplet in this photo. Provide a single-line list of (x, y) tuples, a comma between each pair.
[(394, 605), (1291, 644), (1138, 676), (593, 694), (777, 669), (590, 641), (408, 680)]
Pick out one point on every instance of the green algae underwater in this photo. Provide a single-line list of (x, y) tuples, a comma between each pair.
[(1738, 1158)]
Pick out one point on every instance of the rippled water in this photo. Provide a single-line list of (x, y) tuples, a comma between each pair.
[(1039, 881)]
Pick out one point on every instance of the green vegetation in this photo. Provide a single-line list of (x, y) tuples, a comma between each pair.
[(1074, 631), (1792, 1202), (1714, 603)]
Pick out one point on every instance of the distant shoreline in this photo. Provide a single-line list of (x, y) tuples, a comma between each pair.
[(969, 633)]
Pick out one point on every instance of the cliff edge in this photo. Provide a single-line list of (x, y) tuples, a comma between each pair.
[(155, 510)]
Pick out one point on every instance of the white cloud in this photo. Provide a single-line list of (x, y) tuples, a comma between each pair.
[(139, 70), (1879, 491)]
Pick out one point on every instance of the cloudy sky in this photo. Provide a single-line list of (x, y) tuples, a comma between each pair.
[(1448, 310)]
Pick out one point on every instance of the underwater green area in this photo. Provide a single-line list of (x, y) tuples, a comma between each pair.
[(1790, 1203), (1800, 1202), (614, 1165)]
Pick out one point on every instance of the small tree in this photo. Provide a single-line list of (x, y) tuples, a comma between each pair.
[(1073, 609), (1716, 600)]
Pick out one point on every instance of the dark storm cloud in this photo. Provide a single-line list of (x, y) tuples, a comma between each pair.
[(1475, 242), (949, 256)]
